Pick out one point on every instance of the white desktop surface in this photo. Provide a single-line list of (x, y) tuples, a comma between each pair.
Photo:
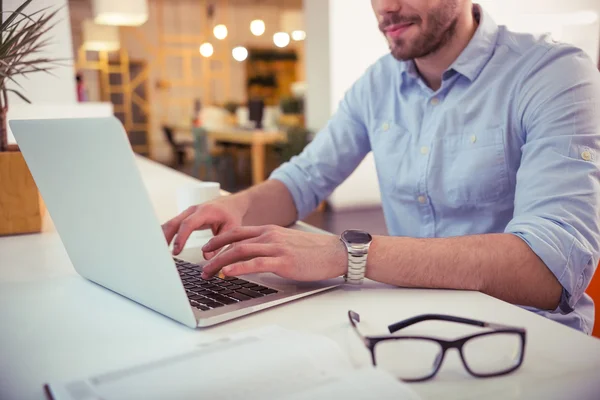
[(56, 326)]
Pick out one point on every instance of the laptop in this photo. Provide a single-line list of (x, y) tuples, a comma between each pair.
[(88, 177)]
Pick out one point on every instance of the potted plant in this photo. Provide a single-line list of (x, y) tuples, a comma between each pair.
[(292, 111), (22, 39), (231, 108)]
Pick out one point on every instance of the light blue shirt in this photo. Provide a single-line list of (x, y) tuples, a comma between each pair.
[(509, 143)]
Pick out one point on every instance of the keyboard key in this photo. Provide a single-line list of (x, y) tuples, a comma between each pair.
[(268, 291), (213, 304), (196, 297), (240, 282), (204, 292), (188, 285), (218, 289), (239, 296), (209, 287), (225, 284), (200, 306), (193, 280), (249, 285), (220, 298), (195, 273), (226, 292), (250, 293), (234, 287)]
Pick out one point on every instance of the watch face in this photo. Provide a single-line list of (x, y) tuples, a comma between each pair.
[(356, 237)]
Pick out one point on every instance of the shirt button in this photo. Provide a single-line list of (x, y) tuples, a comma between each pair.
[(422, 199), (424, 150), (435, 101), (473, 139), (586, 155), (386, 126)]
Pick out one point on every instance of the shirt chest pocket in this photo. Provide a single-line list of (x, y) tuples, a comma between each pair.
[(470, 169)]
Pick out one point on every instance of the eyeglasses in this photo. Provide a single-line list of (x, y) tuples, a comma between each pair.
[(419, 358)]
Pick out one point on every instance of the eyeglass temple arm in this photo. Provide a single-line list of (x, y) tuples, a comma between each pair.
[(438, 317)]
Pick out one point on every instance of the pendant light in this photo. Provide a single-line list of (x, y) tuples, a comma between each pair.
[(240, 53), (100, 37), (281, 39), (257, 27), (120, 12), (206, 49), (220, 31)]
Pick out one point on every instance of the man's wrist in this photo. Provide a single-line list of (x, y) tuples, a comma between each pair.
[(341, 258)]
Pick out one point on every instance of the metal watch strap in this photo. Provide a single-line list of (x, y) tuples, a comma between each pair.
[(357, 265)]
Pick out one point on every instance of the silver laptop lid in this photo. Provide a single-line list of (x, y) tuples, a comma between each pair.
[(87, 175)]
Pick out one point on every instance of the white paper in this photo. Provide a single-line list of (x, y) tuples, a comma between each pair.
[(273, 364)]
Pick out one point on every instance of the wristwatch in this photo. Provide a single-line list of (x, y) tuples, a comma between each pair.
[(357, 243)]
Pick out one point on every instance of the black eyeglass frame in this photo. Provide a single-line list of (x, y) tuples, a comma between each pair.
[(372, 341)]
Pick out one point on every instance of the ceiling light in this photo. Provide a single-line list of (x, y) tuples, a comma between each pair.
[(281, 39), (206, 49), (100, 37), (257, 27), (120, 12), (240, 53), (220, 31), (298, 35)]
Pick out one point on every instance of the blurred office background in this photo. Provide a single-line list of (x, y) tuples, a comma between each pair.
[(227, 90)]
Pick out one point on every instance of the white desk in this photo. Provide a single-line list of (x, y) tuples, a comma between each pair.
[(55, 325)]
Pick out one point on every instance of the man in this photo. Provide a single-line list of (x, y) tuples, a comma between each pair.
[(486, 144)]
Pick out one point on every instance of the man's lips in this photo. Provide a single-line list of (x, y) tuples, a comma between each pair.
[(397, 30)]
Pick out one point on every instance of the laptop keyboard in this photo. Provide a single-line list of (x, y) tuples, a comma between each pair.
[(208, 294)]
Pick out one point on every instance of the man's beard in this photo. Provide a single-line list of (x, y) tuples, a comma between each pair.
[(441, 28)]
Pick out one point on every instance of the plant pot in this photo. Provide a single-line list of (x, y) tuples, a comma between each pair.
[(21, 207), (291, 120)]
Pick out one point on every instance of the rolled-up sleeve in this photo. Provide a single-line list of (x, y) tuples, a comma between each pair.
[(331, 157), (557, 199)]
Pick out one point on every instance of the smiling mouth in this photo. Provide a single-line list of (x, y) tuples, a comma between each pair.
[(397, 30)]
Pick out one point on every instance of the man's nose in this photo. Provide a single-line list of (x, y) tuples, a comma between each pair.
[(383, 7)]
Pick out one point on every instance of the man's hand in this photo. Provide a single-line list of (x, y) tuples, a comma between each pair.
[(220, 216), (288, 253)]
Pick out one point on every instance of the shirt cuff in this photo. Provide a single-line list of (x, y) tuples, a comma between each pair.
[(304, 201), (562, 253)]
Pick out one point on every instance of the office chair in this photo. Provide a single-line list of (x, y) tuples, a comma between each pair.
[(212, 161), (593, 291), (178, 148)]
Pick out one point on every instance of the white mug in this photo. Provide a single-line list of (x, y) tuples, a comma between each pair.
[(196, 194)]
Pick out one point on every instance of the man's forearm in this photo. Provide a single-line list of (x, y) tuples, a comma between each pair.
[(501, 265), (267, 203)]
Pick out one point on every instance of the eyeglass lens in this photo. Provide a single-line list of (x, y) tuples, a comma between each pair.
[(492, 354), (414, 359)]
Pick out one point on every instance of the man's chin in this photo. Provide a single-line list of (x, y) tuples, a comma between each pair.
[(402, 55)]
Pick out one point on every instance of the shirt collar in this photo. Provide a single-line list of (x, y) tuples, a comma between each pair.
[(475, 56), (478, 52)]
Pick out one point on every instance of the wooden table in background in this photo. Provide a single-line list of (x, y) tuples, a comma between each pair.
[(257, 140)]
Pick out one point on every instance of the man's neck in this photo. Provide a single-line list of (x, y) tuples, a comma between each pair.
[(432, 67)]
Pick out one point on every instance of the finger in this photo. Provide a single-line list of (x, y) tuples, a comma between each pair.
[(260, 264), (171, 227), (236, 254), (232, 236), (203, 218), (212, 254)]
